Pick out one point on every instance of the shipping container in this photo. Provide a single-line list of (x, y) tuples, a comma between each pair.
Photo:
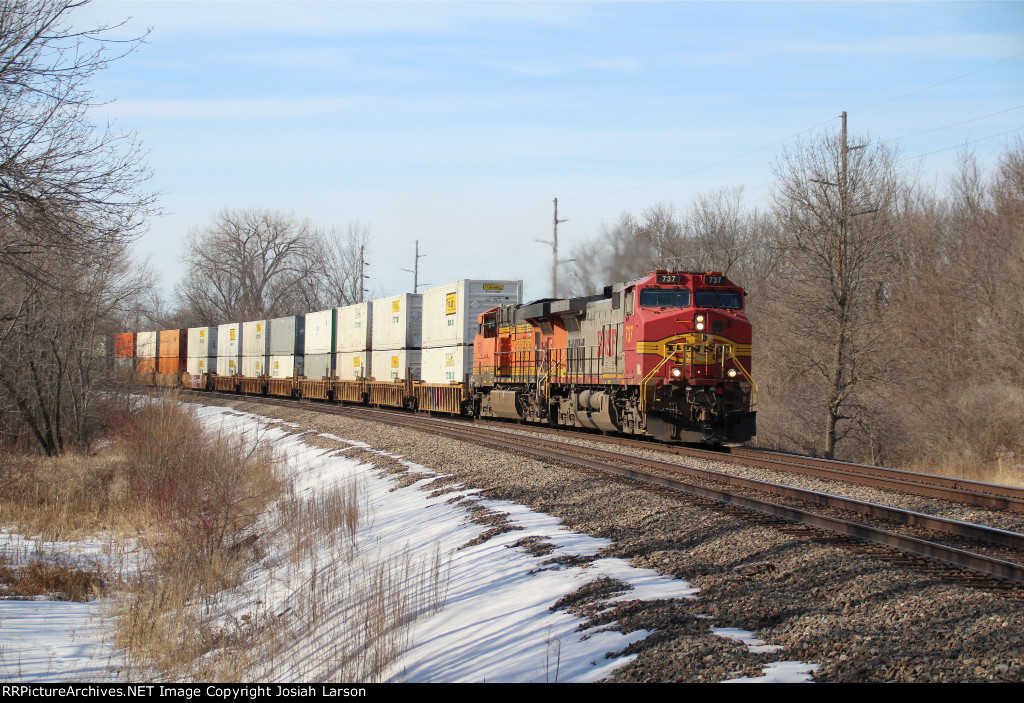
[(285, 365), (170, 365), (145, 346), (228, 366), (124, 345), (390, 364), (397, 322), (447, 364), (318, 365), (354, 328), (450, 311), (173, 344), (124, 363), (349, 366), (145, 364), (255, 340), (254, 366), (229, 344), (320, 333), (202, 341), (196, 365), (288, 336)]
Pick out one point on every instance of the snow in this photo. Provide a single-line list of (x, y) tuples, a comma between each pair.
[(496, 622)]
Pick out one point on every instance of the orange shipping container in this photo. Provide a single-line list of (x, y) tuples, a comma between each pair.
[(145, 365), (173, 344), (170, 365), (124, 345)]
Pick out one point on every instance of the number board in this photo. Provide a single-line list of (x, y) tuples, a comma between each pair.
[(715, 280), (670, 278)]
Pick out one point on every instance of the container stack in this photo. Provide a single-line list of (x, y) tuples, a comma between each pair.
[(319, 347), (353, 339), (172, 351), (449, 324), (287, 346), (229, 349), (255, 348), (396, 337), (202, 350), (124, 351), (145, 352)]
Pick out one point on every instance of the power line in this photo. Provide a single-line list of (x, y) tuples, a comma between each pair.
[(936, 85)]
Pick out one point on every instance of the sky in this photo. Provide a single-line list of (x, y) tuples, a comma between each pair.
[(458, 123), (496, 624)]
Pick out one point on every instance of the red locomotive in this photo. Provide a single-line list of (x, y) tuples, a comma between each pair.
[(665, 356)]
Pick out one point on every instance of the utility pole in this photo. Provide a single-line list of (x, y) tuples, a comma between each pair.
[(554, 253), (416, 269), (362, 267)]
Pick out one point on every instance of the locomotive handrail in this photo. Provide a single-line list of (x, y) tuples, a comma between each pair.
[(647, 378), (746, 375)]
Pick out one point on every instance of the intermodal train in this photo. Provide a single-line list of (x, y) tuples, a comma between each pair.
[(666, 356)]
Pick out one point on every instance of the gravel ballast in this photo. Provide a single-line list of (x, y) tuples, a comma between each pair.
[(859, 617)]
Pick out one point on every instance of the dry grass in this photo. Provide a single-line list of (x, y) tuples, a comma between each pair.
[(205, 491), (350, 609), (206, 508), (984, 440), (55, 578), (67, 497)]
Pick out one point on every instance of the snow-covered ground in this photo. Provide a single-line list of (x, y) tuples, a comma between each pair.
[(496, 621)]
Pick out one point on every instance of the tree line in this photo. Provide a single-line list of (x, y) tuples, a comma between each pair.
[(888, 316)]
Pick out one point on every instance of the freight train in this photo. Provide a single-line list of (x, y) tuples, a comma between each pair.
[(666, 356)]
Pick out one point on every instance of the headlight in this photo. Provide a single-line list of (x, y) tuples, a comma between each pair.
[(731, 373), (698, 323), (677, 372)]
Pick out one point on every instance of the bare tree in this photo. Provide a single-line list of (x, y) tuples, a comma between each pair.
[(59, 176), (621, 252), (341, 263), (836, 210), (252, 264), (70, 205)]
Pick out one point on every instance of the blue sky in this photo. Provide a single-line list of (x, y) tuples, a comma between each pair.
[(458, 123)]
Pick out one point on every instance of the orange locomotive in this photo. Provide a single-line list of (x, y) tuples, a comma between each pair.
[(665, 356)]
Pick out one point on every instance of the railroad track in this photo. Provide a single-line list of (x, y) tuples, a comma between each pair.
[(985, 495), (994, 553)]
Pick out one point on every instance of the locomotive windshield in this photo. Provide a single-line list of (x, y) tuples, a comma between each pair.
[(727, 299), (665, 298)]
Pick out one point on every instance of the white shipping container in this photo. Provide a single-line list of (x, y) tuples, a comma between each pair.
[(389, 364), (196, 365), (450, 311), (202, 341), (447, 364), (397, 322), (229, 342), (254, 366), (255, 340), (320, 332), (349, 366), (285, 365), (317, 366), (354, 328), (145, 345), (228, 365)]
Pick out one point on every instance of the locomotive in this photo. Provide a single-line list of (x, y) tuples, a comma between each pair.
[(665, 356)]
